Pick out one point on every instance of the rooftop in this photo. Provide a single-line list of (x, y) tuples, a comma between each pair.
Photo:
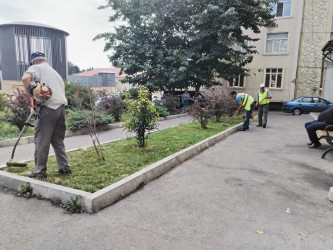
[(32, 24), (103, 70)]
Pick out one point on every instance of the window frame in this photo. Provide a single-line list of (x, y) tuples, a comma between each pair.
[(238, 80), (277, 53), (269, 85), (275, 8)]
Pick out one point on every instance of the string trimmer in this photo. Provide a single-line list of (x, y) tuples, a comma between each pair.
[(12, 162), (225, 123), (42, 91)]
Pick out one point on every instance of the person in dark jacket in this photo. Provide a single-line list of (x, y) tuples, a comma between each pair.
[(325, 118)]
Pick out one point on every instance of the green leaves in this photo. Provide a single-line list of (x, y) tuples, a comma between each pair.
[(144, 116), (170, 44)]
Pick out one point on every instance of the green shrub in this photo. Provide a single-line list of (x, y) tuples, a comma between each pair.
[(79, 97), (134, 93), (81, 119), (162, 111), (3, 102), (144, 116)]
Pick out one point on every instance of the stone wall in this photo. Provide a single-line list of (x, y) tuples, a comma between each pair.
[(315, 33)]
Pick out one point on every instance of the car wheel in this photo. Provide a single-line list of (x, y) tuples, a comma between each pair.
[(297, 112)]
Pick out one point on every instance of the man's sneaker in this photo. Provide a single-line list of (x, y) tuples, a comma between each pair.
[(259, 125), (241, 129), (33, 175), (264, 126), (63, 171)]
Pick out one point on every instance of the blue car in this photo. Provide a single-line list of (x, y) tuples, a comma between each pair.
[(306, 104)]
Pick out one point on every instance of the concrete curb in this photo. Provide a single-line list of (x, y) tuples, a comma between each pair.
[(30, 139), (93, 202)]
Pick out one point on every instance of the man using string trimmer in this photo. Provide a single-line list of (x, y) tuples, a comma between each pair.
[(245, 102), (50, 124)]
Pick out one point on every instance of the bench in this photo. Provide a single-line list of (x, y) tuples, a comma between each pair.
[(326, 134)]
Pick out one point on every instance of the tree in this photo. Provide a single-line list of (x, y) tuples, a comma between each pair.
[(170, 44), (73, 69)]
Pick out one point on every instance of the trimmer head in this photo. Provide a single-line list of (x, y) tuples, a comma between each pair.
[(13, 163)]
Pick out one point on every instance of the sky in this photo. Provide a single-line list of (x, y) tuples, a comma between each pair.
[(80, 18)]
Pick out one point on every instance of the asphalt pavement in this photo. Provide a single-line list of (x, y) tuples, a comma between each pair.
[(259, 189)]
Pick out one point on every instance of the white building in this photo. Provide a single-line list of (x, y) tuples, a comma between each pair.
[(289, 59)]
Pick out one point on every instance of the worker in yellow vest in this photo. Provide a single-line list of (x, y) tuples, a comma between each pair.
[(247, 102), (262, 103)]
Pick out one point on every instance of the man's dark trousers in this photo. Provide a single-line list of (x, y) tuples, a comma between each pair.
[(50, 128), (312, 127)]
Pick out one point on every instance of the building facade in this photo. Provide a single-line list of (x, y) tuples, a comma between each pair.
[(19, 40), (289, 59)]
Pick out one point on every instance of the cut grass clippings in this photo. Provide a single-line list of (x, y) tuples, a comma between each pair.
[(124, 158)]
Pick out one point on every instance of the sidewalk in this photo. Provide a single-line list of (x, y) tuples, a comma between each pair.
[(259, 189)]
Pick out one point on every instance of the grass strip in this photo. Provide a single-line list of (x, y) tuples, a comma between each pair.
[(124, 158)]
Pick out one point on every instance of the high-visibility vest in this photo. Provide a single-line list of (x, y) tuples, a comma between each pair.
[(262, 96), (247, 100)]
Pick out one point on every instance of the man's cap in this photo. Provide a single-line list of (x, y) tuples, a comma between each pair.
[(262, 85), (37, 56)]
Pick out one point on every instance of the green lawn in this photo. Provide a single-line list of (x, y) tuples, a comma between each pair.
[(123, 158)]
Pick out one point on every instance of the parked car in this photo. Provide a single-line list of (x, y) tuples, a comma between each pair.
[(306, 104)]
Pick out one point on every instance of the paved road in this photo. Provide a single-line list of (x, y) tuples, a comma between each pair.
[(262, 179), (26, 152)]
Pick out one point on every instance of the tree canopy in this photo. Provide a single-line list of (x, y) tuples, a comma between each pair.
[(168, 44)]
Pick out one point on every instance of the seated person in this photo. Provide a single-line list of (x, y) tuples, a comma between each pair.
[(325, 118), (186, 98)]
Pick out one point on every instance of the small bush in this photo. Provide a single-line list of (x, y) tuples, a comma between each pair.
[(87, 97), (79, 119), (172, 103), (144, 116), (19, 107), (201, 112), (221, 102), (162, 111), (113, 105)]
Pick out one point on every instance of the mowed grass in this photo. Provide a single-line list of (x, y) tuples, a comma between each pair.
[(124, 158)]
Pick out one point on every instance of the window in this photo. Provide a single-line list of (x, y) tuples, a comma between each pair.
[(273, 78), (277, 43), (237, 47), (306, 100), (319, 100), (237, 82), (282, 8)]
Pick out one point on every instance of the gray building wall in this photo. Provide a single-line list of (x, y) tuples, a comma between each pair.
[(19, 40)]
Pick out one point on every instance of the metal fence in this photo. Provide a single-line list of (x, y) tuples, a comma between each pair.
[(102, 80)]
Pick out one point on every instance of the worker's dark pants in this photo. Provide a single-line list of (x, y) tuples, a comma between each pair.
[(248, 116), (312, 127), (50, 128), (262, 110)]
